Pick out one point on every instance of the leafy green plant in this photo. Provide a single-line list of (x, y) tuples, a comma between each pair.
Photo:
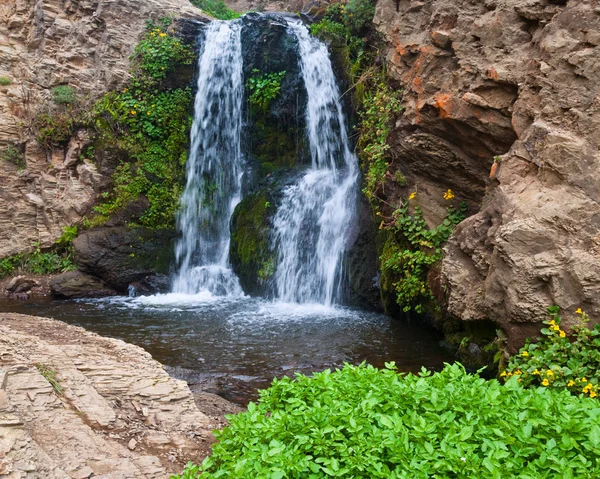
[(361, 422), (358, 15), (217, 9), (267, 270), (64, 95), (5, 81), (414, 250), (57, 260), (14, 155), (379, 106), (150, 121), (559, 362), (69, 234), (264, 87), (49, 375)]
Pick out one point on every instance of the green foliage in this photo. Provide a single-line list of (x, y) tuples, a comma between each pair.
[(64, 95), (5, 81), (264, 87), (358, 15), (559, 362), (216, 9), (49, 375), (379, 106), (14, 155), (66, 239), (151, 122), (57, 260), (361, 422), (267, 270), (421, 248)]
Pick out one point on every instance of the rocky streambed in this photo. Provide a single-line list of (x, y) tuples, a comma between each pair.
[(76, 404)]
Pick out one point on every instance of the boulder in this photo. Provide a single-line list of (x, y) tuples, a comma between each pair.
[(75, 284), (21, 284), (120, 256)]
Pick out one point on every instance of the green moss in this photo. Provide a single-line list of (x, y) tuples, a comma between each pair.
[(250, 250), (272, 147)]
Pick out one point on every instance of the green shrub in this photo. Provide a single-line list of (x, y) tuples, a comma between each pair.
[(64, 95), (151, 122), (559, 362), (216, 9), (358, 15), (14, 155), (57, 260), (264, 87), (417, 247), (362, 422), (5, 81)]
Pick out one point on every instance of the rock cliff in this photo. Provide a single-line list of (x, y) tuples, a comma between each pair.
[(515, 79), (85, 44)]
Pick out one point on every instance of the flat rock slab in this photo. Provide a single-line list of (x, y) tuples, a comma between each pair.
[(72, 404)]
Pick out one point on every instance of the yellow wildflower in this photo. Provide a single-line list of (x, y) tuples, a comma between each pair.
[(448, 195), (502, 374), (133, 112), (593, 394), (578, 311), (525, 354), (412, 195), (163, 35), (549, 372), (536, 372), (518, 371), (584, 380), (545, 382), (562, 334), (147, 113), (570, 383)]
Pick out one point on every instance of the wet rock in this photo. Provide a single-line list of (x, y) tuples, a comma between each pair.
[(76, 284), (21, 284), (121, 256)]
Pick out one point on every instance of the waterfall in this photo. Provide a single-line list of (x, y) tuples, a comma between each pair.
[(312, 224), (214, 168)]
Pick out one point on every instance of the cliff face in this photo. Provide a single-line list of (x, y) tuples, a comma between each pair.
[(519, 79), (85, 44)]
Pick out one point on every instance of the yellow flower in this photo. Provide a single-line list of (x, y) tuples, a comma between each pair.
[(412, 195), (552, 323), (525, 354), (555, 327), (578, 311), (536, 372), (570, 383), (133, 112), (448, 195), (502, 374), (593, 394), (562, 334), (549, 372), (584, 380), (545, 382), (518, 371), (147, 113), (163, 35)]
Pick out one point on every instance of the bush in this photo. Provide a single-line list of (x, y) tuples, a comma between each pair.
[(216, 9), (38, 262), (64, 95), (14, 155), (559, 362), (5, 81), (151, 122), (361, 422), (264, 87)]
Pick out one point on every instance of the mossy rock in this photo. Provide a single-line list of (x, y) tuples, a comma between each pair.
[(250, 250)]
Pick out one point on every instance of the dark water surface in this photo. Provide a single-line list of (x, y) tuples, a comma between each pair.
[(233, 346)]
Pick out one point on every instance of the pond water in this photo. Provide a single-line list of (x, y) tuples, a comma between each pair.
[(234, 346)]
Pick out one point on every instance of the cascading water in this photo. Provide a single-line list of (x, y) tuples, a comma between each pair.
[(214, 168), (312, 224)]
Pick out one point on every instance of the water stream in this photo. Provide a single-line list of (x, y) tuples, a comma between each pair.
[(214, 169), (311, 226)]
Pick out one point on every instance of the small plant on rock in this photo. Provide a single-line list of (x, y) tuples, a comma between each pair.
[(5, 81), (64, 95), (264, 87)]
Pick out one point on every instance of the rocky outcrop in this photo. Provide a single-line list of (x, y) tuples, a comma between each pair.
[(519, 79), (75, 404), (75, 284), (87, 45)]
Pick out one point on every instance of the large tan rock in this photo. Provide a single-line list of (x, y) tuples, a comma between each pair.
[(86, 44), (115, 411), (521, 79)]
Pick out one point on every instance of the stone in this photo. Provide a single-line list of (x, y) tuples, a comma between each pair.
[(21, 284), (76, 284), (43, 44), (121, 256), (57, 437), (521, 83)]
